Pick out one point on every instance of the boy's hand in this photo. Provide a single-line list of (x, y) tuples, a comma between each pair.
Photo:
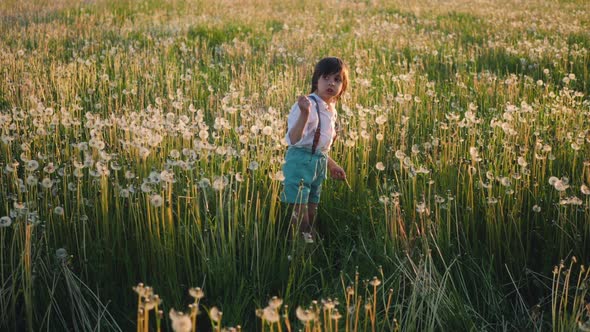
[(336, 172), (304, 104)]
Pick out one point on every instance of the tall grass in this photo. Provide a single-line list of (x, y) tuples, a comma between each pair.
[(146, 140)]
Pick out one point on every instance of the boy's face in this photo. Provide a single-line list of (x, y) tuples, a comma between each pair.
[(329, 86)]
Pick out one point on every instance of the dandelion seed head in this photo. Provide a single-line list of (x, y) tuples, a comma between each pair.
[(267, 131), (180, 321), (115, 166), (215, 314), (381, 119), (275, 302), (304, 315), (49, 168), (32, 180), (156, 200), (380, 166), (47, 183), (575, 146), (31, 165), (270, 315), (585, 189), (253, 165), (167, 176), (375, 282), (219, 183), (560, 185), (146, 187), (349, 291), (58, 210), (5, 221), (204, 183), (336, 315), (505, 181), (154, 177), (61, 254), (329, 304), (239, 177), (279, 176), (174, 154), (197, 293)]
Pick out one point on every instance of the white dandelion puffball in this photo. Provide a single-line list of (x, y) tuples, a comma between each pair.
[(145, 187), (156, 200), (270, 315), (180, 321), (5, 221), (380, 166), (219, 183), (32, 180), (58, 211), (279, 176), (167, 176), (47, 183), (505, 181), (204, 183), (267, 131), (561, 185), (215, 314), (32, 165), (253, 166), (239, 177)]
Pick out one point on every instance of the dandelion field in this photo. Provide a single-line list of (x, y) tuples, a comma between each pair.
[(142, 141)]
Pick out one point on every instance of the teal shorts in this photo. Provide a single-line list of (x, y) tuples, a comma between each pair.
[(304, 174)]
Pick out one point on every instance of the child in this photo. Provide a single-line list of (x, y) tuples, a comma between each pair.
[(311, 130)]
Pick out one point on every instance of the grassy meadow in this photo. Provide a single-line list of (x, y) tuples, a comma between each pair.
[(142, 142)]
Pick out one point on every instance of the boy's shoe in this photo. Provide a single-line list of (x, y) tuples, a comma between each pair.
[(307, 237)]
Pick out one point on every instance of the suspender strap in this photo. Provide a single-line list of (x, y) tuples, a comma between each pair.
[(316, 136)]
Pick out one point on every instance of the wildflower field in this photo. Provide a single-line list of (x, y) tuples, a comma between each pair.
[(142, 142)]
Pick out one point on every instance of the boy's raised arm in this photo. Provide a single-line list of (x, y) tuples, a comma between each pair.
[(296, 132)]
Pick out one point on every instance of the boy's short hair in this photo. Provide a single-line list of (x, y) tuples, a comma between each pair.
[(329, 66)]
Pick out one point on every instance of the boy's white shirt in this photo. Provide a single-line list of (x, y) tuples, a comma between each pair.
[(327, 130)]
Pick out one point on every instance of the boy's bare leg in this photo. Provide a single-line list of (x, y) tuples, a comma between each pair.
[(300, 218)]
